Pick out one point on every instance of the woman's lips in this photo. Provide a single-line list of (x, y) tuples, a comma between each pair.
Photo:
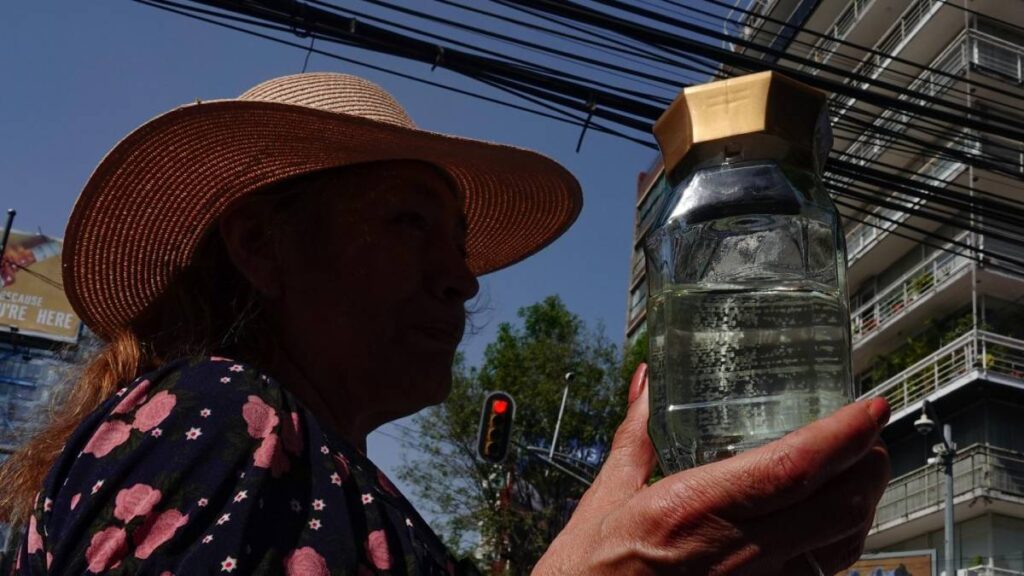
[(446, 334)]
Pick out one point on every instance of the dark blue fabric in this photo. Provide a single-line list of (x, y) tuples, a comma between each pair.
[(206, 466)]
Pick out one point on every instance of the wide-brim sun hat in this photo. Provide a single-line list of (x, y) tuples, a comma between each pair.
[(146, 208)]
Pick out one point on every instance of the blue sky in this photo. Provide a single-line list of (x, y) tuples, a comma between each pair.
[(81, 75)]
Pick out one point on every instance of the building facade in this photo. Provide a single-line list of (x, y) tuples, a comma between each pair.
[(927, 323)]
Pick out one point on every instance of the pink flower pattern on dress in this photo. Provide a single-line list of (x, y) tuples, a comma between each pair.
[(305, 561), (257, 463), (270, 455), (155, 411), (377, 549), (138, 500), (109, 435), (35, 541), (260, 418), (133, 399), (291, 433), (157, 530), (106, 549)]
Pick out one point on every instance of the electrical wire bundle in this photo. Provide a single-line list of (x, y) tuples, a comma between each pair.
[(612, 67)]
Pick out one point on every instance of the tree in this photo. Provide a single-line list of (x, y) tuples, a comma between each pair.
[(506, 515)]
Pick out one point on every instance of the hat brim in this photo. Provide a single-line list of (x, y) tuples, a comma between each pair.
[(145, 209)]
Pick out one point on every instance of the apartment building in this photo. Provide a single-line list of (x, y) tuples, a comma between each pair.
[(927, 323)]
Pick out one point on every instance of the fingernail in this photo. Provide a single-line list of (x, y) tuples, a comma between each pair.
[(636, 386), (878, 407)]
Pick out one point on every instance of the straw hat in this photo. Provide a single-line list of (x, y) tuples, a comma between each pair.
[(145, 209)]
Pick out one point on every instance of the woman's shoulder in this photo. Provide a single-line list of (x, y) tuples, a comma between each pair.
[(214, 375), (207, 380), (180, 409)]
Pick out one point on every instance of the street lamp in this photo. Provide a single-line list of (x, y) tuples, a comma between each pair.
[(565, 394), (945, 453)]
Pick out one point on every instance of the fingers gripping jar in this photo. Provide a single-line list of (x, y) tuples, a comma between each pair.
[(748, 309)]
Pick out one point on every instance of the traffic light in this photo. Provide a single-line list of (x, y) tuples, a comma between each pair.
[(495, 427)]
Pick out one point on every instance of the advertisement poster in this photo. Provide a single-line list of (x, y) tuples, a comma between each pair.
[(31, 297), (911, 563)]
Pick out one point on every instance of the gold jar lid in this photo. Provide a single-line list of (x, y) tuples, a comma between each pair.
[(758, 116)]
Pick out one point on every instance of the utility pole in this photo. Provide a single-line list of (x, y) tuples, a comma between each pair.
[(946, 453), (3, 241), (558, 424)]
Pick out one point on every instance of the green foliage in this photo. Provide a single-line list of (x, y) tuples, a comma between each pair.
[(634, 354), (920, 284), (529, 361), (935, 335)]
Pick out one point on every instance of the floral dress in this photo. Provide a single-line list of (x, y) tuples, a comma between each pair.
[(206, 466)]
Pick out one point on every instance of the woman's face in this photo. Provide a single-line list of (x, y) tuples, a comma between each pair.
[(373, 285)]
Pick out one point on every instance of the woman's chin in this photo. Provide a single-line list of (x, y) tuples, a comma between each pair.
[(422, 388)]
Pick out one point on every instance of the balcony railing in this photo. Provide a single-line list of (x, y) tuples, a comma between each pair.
[(978, 467), (892, 42), (825, 47), (918, 283), (753, 21), (885, 219), (988, 571), (936, 79), (972, 46), (747, 25), (997, 55), (977, 350)]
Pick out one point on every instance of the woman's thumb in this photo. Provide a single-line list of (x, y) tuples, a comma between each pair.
[(631, 459)]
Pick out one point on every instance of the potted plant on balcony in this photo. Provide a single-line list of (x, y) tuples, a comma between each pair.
[(918, 285)]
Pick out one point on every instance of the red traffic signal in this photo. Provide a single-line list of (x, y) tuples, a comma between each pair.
[(495, 427)]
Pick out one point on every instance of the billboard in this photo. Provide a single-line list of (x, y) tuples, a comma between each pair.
[(31, 297), (910, 563)]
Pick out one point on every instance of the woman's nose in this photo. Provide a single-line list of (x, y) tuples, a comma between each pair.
[(454, 280)]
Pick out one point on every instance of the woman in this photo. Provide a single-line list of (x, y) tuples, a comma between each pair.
[(278, 275)]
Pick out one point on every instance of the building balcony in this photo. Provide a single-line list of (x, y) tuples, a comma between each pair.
[(976, 354), (985, 478), (900, 298), (997, 56), (878, 226), (834, 36), (932, 289), (907, 38), (971, 49), (934, 81)]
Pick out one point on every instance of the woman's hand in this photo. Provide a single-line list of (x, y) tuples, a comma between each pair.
[(760, 512)]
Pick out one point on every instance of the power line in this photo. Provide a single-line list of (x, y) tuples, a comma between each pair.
[(861, 48), (576, 100)]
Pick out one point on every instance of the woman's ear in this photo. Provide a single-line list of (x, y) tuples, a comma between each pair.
[(249, 237)]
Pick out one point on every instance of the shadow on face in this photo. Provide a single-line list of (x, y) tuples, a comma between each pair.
[(366, 280)]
